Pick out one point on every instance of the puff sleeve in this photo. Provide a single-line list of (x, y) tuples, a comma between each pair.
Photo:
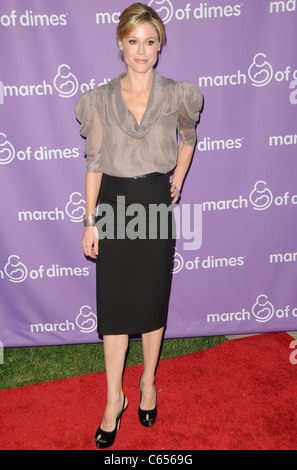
[(86, 113), (191, 100)]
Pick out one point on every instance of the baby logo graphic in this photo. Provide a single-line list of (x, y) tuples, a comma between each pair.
[(86, 320), (263, 310), (260, 71), (75, 208), (65, 82), (178, 263), (164, 8), (15, 270), (7, 152), (261, 197)]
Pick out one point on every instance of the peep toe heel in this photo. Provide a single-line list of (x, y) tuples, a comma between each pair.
[(147, 417), (104, 439)]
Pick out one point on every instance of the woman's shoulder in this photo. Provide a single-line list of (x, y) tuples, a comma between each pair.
[(182, 91), (180, 86), (164, 82), (94, 93), (89, 101)]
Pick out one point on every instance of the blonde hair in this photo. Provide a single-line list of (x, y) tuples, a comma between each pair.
[(136, 14)]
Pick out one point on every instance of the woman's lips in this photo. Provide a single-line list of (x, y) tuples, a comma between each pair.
[(141, 61)]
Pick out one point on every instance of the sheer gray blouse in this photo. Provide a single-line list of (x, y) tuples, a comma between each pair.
[(118, 146)]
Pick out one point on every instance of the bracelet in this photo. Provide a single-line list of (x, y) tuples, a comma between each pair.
[(90, 221)]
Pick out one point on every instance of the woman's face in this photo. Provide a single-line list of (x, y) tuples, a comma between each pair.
[(141, 48)]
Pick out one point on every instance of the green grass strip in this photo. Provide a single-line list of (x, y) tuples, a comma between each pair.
[(31, 365)]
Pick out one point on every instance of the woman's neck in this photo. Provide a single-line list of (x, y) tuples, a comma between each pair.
[(137, 82)]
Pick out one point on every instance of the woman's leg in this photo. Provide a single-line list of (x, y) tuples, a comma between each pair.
[(115, 349), (151, 344)]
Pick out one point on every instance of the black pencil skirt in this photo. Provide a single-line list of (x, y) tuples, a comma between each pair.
[(136, 247)]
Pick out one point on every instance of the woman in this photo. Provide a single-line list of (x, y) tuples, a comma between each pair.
[(131, 146)]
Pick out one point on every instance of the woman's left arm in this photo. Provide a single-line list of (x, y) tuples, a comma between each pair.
[(185, 154)]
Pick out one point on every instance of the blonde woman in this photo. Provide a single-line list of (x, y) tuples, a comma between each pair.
[(133, 157)]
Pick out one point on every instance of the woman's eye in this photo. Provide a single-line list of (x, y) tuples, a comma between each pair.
[(148, 43)]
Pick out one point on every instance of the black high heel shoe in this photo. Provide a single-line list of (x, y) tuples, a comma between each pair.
[(147, 417), (104, 439)]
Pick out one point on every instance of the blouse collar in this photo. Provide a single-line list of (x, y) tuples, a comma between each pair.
[(123, 116)]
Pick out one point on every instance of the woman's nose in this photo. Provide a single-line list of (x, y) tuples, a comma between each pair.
[(141, 48)]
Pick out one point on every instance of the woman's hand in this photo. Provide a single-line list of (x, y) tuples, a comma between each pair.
[(185, 153), (175, 192), (90, 242)]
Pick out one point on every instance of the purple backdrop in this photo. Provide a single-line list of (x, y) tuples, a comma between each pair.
[(243, 56)]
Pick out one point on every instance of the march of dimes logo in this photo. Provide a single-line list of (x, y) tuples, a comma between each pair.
[(262, 311), (260, 198), (17, 272), (74, 210), (260, 73), (64, 83), (8, 152), (199, 11), (85, 321)]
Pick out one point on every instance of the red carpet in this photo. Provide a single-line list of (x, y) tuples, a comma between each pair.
[(239, 395)]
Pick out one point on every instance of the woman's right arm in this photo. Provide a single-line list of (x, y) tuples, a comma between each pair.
[(90, 241)]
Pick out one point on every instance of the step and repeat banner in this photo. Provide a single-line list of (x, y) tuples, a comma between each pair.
[(235, 265)]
